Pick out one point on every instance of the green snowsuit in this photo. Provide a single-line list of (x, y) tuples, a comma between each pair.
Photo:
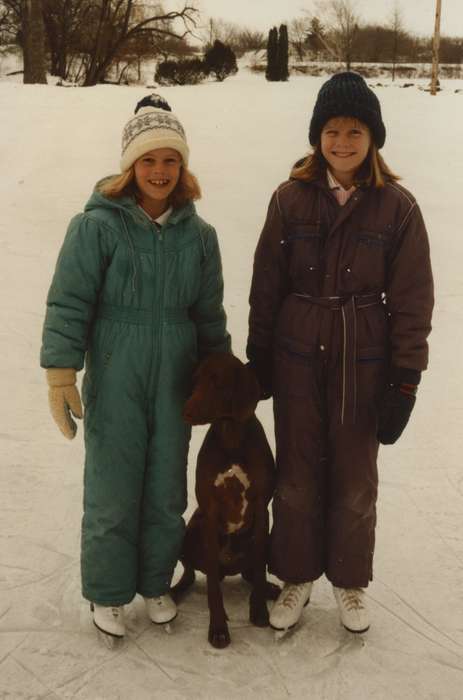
[(141, 305)]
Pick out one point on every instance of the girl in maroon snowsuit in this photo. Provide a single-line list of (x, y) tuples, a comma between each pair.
[(341, 304)]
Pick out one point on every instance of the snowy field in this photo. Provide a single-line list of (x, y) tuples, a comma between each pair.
[(244, 136)]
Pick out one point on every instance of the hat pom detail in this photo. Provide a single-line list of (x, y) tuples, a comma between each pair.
[(153, 126), (155, 101)]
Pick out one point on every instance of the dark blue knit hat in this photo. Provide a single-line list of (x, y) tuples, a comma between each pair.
[(347, 95)]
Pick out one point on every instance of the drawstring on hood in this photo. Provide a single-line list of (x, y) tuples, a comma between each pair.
[(132, 250), (129, 212)]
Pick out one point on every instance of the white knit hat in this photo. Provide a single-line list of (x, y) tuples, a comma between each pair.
[(153, 126)]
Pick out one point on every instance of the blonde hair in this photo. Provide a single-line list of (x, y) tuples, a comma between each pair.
[(186, 190)]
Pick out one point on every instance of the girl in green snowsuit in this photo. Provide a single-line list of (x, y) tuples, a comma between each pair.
[(136, 295)]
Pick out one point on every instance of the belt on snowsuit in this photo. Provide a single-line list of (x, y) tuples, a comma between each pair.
[(348, 307)]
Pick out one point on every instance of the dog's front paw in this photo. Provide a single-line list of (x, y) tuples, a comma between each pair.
[(219, 636), (258, 613)]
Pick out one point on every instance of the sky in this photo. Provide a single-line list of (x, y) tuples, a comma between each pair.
[(418, 15)]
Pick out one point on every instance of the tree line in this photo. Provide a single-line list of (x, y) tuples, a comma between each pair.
[(83, 40), (93, 41), (339, 34)]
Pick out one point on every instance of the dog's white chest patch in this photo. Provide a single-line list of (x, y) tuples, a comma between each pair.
[(238, 506)]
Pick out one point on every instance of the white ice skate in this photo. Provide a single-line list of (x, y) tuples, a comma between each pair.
[(161, 610), (109, 621), (352, 608), (289, 606)]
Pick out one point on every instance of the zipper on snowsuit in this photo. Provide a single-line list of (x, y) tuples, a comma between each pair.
[(157, 311)]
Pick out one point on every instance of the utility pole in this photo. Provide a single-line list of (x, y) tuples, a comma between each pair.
[(435, 49)]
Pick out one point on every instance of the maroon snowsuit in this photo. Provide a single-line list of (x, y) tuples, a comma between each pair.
[(339, 295)]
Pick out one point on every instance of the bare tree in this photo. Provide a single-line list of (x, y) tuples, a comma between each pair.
[(249, 40), (10, 21), (342, 20), (33, 42), (451, 49), (64, 23), (118, 21), (95, 33), (317, 40), (298, 32), (220, 30), (168, 47), (240, 39), (396, 26)]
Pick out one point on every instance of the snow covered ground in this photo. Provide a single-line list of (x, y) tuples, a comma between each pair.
[(244, 135)]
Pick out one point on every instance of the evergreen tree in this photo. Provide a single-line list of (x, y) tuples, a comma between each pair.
[(220, 60), (317, 42), (283, 51), (272, 71)]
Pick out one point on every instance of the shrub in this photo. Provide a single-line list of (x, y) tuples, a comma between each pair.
[(187, 71), (220, 60)]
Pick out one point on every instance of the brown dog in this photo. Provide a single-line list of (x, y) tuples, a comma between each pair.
[(235, 472)]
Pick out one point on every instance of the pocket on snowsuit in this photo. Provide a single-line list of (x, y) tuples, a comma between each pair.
[(293, 367), (97, 360), (368, 267)]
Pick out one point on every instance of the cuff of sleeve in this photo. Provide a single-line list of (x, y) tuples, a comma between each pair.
[(255, 352), (404, 375), (61, 376)]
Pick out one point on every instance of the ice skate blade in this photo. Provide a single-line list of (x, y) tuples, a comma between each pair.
[(356, 631), (278, 635), (166, 625), (110, 641)]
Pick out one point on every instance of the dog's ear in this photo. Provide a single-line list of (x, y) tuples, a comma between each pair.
[(246, 394)]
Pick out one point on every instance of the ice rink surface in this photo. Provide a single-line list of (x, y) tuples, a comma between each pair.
[(244, 135)]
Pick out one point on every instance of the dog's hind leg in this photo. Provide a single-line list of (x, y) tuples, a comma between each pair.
[(258, 612), (184, 583), (272, 590)]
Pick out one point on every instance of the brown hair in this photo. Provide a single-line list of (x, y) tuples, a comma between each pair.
[(186, 190), (373, 172)]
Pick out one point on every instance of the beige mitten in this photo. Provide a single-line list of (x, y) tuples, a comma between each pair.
[(64, 399)]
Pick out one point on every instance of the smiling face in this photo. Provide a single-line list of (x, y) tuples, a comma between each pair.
[(344, 144), (156, 174)]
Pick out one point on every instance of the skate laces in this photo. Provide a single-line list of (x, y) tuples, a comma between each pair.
[(352, 598), (293, 595), (159, 600)]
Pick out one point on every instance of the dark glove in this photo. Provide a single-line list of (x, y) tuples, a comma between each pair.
[(397, 404), (260, 361)]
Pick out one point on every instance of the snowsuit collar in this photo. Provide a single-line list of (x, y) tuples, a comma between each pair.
[(128, 206)]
